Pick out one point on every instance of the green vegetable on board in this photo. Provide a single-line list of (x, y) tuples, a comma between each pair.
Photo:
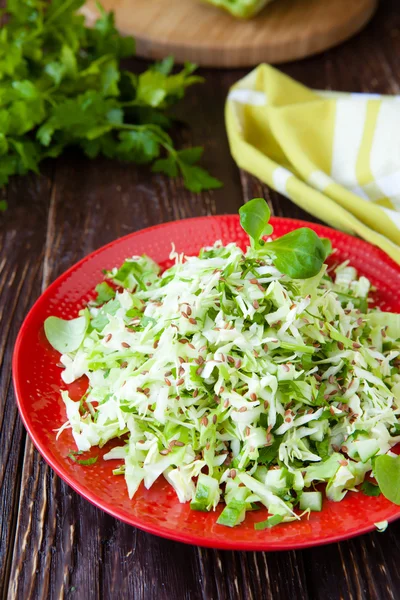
[(242, 9)]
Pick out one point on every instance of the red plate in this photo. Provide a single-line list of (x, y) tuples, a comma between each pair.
[(37, 382)]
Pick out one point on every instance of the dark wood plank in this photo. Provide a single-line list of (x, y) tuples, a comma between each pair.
[(22, 241)]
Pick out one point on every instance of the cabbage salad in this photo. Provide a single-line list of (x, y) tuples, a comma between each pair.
[(243, 378)]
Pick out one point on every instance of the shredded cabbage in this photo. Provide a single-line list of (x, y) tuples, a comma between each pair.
[(236, 383)]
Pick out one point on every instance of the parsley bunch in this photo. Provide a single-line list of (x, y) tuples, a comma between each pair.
[(61, 85)]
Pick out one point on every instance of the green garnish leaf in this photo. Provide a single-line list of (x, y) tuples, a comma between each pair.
[(254, 217), (66, 336), (299, 254), (387, 474)]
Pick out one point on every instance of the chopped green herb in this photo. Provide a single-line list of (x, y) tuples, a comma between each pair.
[(62, 85)]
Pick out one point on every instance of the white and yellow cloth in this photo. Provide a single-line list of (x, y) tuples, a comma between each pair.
[(335, 155)]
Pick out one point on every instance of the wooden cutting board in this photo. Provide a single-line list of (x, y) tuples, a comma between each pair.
[(191, 30)]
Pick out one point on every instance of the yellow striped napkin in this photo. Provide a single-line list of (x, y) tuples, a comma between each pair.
[(335, 155)]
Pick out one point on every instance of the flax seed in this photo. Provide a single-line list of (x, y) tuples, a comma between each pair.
[(108, 337)]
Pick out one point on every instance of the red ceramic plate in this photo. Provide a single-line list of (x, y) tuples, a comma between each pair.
[(37, 383)]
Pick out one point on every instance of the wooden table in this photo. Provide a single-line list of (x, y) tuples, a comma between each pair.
[(53, 543)]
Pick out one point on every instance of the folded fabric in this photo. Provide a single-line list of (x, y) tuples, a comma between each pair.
[(336, 155)]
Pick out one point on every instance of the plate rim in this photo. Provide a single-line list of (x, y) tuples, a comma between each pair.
[(159, 529)]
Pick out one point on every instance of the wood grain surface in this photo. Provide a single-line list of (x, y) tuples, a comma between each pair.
[(54, 544), (191, 30)]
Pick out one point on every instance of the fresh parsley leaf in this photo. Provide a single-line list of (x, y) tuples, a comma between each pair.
[(196, 178), (168, 166)]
